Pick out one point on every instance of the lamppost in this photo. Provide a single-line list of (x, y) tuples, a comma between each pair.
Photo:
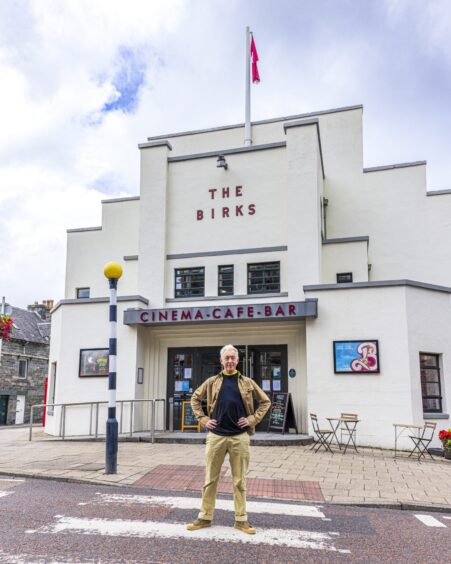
[(113, 271)]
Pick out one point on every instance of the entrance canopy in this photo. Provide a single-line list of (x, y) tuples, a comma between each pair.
[(211, 314)]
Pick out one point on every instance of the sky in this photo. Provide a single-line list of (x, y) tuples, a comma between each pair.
[(82, 82)]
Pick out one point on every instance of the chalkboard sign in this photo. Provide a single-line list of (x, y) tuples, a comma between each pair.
[(189, 420), (281, 415)]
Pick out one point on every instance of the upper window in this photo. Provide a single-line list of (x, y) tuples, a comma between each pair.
[(83, 292), (263, 278), (430, 383), (225, 280), (343, 277), (189, 282), (23, 368)]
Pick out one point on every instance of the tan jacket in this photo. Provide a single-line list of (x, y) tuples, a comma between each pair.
[(249, 391)]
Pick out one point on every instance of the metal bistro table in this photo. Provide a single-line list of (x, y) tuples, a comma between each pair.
[(400, 428), (351, 429)]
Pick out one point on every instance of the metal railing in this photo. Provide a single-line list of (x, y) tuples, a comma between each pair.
[(95, 408)]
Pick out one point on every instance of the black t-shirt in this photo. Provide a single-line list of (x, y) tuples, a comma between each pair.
[(229, 407)]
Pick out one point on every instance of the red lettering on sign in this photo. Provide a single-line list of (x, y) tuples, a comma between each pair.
[(212, 213), (251, 209), (144, 317), (225, 212), (238, 191), (280, 311), (239, 311), (250, 311), (162, 315), (198, 315), (268, 311), (292, 309), (238, 210), (225, 192), (174, 314), (228, 313), (217, 310), (212, 192), (200, 215), (186, 314), (153, 316)]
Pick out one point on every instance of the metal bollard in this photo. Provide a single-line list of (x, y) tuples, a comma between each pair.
[(171, 415)]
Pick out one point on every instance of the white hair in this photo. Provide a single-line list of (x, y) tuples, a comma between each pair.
[(229, 347)]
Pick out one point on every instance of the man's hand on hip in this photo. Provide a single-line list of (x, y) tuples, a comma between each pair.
[(211, 424), (243, 422)]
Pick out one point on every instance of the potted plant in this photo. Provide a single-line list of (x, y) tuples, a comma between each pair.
[(445, 436), (6, 326)]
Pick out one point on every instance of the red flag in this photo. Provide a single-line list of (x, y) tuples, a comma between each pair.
[(254, 57)]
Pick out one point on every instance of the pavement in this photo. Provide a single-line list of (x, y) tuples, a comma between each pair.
[(371, 477)]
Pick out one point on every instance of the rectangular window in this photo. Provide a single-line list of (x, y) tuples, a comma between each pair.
[(263, 278), (23, 369), (225, 280), (430, 383), (83, 292), (343, 277), (189, 282)]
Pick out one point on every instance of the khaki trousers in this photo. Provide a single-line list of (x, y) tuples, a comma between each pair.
[(237, 446)]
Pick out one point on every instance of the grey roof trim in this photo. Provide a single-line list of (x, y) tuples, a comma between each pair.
[(227, 298), (209, 154), (101, 300), (125, 199), (301, 123), (438, 192), (80, 229), (228, 252), (162, 143), (346, 240), (259, 122), (130, 257), (379, 284), (391, 167)]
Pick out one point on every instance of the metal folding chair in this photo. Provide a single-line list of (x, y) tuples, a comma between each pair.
[(324, 435), (423, 440), (349, 432)]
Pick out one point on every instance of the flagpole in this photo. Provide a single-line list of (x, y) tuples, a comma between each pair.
[(247, 124)]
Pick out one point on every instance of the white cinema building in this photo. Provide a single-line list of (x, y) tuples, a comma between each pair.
[(333, 280)]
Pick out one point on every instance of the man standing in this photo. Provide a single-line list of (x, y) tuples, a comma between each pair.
[(231, 419)]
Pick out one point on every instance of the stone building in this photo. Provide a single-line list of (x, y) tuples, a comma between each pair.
[(23, 364)]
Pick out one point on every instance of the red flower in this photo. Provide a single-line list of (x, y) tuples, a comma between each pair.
[(444, 435), (6, 326)]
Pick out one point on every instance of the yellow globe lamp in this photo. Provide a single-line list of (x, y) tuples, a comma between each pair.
[(112, 270)]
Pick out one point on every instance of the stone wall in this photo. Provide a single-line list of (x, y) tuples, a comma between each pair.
[(32, 387)]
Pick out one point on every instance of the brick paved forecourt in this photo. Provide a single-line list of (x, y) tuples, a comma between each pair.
[(370, 477)]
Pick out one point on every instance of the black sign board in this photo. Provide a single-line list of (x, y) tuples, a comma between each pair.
[(189, 420), (281, 415)]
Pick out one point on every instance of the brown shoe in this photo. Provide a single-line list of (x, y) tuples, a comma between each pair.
[(198, 524), (245, 527)]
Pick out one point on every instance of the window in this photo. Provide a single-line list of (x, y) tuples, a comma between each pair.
[(225, 280), (430, 383), (343, 277), (263, 278), (83, 292), (23, 369), (189, 282)]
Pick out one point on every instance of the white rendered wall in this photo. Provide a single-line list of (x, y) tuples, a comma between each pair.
[(379, 399), (89, 251), (345, 257)]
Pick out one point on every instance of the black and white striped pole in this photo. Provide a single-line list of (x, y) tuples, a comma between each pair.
[(113, 271)]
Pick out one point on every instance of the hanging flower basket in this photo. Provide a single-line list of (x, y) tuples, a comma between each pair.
[(6, 327)]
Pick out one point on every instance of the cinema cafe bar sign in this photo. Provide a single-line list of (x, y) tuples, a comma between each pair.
[(254, 312)]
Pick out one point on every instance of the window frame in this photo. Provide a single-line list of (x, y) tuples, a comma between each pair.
[(253, 291), (223, 286), (20, 363), (189, 290), (438, 382), (78, 290), (349, 274)]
